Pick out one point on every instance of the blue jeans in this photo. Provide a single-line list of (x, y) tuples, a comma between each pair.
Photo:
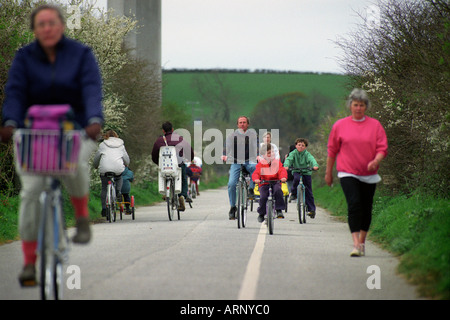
[(234, 178)]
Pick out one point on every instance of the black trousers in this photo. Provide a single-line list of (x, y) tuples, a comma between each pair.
[(359, 196)]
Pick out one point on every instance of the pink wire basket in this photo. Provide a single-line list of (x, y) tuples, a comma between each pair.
[(47, 152)]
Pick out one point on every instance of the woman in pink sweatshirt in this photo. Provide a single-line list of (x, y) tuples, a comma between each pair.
[(358, 143)]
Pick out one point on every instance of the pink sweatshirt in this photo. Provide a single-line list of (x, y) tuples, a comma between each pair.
[(355, 144)]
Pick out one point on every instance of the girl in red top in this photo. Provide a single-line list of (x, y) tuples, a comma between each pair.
[(269, 168), (359, 143)]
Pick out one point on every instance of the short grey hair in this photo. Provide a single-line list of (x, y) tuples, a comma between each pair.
[(358, 95), (46, 7)]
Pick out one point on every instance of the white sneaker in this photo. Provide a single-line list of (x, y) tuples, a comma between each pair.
[(362, 249), (355, 252)]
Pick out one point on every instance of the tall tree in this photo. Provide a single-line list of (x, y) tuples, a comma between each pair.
[(403, 61)]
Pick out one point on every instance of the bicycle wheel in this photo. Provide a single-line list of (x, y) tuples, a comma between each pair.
[(113, 207), (304, 203), (45, 272), (239, 204), (113, 202), (169, 199), (50, 265), (302, 206), (299, 204), (269, 214), (193, 191), (109, 204), (60, 242), (244, 206), (58, 283)]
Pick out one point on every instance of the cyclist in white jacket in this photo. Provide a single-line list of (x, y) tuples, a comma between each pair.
[(111, 156)]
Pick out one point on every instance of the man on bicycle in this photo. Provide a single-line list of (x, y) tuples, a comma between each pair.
[(241, 150), (184, 151)]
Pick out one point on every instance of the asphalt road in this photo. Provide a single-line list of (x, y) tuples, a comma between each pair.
[(204, 256)]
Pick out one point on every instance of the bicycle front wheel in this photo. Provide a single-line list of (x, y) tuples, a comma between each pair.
[(50, 276), (243, 209), (169, 199), (270, 216), (239, 203), (45, 233), (300, 204)]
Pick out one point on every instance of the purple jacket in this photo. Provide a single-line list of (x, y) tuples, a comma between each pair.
[(74, 78)]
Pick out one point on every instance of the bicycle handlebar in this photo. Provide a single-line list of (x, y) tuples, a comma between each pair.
[(305, 168), (270, 181)]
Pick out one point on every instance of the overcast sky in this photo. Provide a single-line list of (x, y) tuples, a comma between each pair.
[(294, 35)]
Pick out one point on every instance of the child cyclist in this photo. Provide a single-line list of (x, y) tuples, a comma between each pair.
[(196, 173), (301, 158), (127, 178), (269, 168)]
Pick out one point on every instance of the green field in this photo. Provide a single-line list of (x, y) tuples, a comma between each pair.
[(250, 88)]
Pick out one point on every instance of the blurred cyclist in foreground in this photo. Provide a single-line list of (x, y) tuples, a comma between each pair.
[(53, 70)]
